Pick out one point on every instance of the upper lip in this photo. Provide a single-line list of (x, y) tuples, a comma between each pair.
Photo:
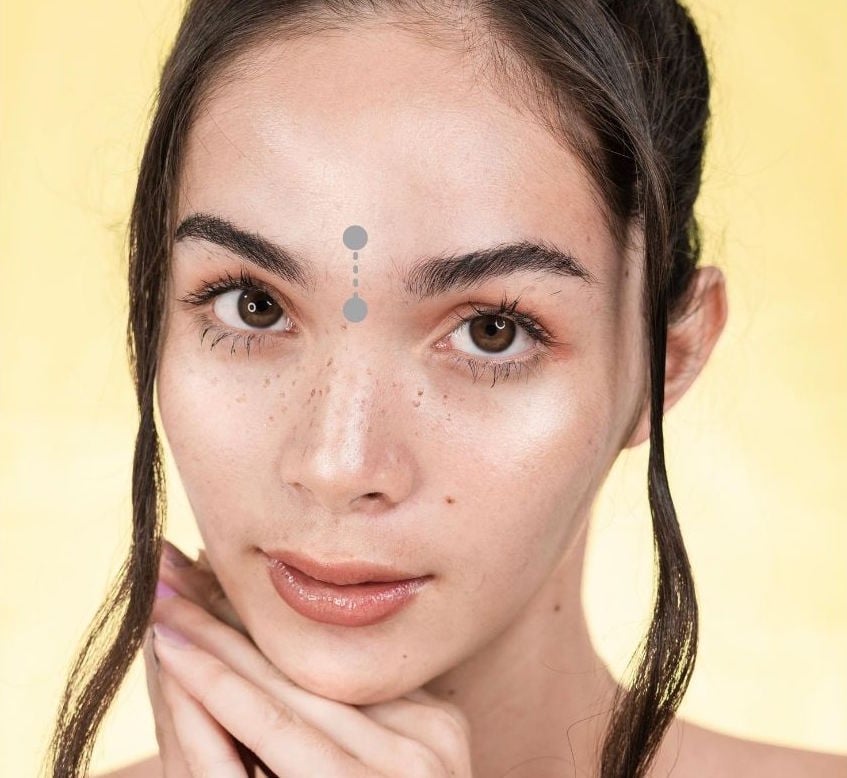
[(340, 573)]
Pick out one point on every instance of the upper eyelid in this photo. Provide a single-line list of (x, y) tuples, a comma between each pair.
[(528, 321), (225, 283)]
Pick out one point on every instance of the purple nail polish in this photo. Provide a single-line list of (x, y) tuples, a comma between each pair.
[(175, 557), (163, 590), (169, 635)]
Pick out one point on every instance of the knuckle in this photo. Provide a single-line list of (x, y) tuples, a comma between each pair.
[(417, 761), (455, 725), (277, 720), (214, 767)]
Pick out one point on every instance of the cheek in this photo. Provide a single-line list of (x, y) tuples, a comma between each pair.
[(527, 485), (219, 422)]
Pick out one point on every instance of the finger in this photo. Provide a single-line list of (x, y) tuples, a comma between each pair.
[(431, 722), (198, 582), (207, 747), (286, 743), (170, 752), (360, 735), (428, 698), (169, 748)]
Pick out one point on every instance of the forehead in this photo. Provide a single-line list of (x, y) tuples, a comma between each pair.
[(374, 126)]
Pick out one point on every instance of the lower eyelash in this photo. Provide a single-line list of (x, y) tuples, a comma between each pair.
[(500, 368), (221, 333), (477, 366)]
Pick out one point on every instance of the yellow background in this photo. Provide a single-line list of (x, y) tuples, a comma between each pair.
[(755, 451)]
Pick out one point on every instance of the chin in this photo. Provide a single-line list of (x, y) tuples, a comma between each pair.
[(347, 686)]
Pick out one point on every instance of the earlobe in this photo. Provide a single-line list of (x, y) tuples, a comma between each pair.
[(691, 339)]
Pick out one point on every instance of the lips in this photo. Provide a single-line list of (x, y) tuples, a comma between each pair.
[(341, 573), (367, 594)]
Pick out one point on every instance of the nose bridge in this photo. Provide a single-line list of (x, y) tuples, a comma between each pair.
[(353, 383), (349, 445)]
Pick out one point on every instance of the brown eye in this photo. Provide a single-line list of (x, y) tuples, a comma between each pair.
[(257, 309), (249, 309), (493, 334), (489, 334)]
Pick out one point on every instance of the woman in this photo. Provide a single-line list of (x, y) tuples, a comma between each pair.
[(346, 214)]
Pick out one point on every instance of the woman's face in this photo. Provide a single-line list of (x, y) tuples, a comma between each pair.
[(371, 440)]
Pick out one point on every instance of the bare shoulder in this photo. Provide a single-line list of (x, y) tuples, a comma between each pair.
[(692, 751), (147, 768)]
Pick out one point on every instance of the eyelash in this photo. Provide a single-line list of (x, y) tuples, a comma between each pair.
[(211, 289)]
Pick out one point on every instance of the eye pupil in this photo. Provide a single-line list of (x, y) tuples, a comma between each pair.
[(495, 333), (257, 309)]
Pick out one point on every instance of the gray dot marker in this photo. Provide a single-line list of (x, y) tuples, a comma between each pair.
[(355, 237), (355, 308)]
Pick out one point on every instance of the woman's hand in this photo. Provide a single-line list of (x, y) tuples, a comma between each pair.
[(219, 691)]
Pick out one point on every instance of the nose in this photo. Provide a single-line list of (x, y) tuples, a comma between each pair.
[(351, 455)]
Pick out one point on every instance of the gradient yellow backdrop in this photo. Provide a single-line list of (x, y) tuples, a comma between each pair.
[(756, 450)]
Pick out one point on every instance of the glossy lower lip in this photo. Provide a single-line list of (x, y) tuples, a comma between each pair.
[(354, 605)]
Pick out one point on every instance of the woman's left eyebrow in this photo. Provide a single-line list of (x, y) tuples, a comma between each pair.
[(428, 277)]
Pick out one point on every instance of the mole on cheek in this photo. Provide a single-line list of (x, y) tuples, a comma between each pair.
[(449, 500)]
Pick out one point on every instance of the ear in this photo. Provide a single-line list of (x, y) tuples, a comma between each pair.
[(690, 342)]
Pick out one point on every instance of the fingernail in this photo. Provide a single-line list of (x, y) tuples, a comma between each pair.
[(168, 635), (174, 557), (163, 590)]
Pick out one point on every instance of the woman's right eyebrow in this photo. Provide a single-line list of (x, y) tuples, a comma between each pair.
[(428, 277)]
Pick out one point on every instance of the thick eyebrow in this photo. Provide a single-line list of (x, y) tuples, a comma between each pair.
[(428, 277)]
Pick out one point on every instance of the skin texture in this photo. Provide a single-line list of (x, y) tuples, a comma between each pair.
[(366, 441)]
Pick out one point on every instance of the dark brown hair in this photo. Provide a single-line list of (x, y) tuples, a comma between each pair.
[(622, 83)]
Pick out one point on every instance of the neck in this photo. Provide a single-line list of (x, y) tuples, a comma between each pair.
[(537, 695)]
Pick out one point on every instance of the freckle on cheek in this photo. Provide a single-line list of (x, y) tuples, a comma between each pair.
[(450, 500)]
